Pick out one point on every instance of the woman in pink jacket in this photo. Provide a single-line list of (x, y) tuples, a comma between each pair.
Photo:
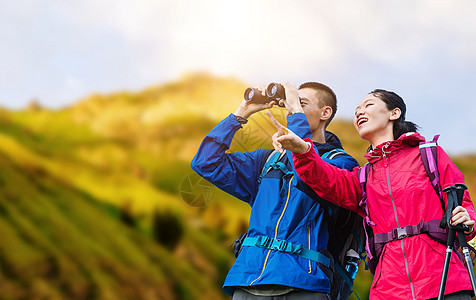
[(399, 193)]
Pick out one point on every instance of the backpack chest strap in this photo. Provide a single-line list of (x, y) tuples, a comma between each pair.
[(431, 227), (287, 247)]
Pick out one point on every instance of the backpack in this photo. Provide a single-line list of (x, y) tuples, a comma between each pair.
[(436, 229), (346, 244)]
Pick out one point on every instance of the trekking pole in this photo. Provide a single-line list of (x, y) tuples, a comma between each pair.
[(455, 197), (460, 188), (450, 192)]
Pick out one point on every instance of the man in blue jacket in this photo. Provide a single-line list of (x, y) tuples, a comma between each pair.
[(284, 255)]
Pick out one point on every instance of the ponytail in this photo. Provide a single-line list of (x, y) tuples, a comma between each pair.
[(400, 126)]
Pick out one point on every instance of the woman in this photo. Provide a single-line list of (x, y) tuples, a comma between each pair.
[(399, 193)]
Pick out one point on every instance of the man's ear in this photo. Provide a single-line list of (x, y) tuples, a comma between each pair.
[(395, 114), (326, 113)]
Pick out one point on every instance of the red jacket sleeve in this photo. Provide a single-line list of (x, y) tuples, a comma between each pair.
[(450, 175), (338, 186)]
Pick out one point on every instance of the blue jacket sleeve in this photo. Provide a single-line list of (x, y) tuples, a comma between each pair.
[(299, 124), (344, 161), (235, 173)]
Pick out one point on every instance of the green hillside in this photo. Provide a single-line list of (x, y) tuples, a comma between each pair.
[(61, 242), (89, 211), (98, 200)]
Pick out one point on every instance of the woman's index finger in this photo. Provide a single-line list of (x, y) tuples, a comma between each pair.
[(273, 119), (276, 123)]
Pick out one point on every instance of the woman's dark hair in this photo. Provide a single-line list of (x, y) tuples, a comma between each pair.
[(392, 100)]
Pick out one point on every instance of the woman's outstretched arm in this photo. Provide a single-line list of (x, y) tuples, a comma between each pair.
[(338, 186)]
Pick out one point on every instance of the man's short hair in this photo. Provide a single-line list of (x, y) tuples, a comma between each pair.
[(326, 96)]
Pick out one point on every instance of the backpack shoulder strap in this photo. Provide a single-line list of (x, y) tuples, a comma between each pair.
[(428, 151), (273, 158), (333, 153), (363, 174)]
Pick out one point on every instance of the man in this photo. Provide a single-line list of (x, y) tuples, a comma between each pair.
[(284, 255)]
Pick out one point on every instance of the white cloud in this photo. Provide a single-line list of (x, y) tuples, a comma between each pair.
[(60, 51)]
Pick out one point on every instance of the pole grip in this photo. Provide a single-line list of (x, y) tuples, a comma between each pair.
[(451, 194), (460, 188)]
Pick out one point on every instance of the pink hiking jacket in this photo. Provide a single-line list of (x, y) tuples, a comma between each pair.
[(399, 193)]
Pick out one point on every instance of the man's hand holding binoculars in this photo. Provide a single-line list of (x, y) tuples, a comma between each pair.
[(251, 106), (292, 101), (261, 98)]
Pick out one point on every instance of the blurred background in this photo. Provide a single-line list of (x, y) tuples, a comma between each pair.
[(104, 103)]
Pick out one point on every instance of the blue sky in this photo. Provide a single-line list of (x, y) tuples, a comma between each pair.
[(61, 51)]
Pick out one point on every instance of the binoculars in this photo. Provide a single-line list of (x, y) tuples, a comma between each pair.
[(274, 91)]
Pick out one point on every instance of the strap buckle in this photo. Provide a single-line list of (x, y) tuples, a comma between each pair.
[(264, 241), (285, 246), (279, 245), (401, 232)]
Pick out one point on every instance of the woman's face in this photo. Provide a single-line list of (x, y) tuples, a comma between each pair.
[(373, 120)]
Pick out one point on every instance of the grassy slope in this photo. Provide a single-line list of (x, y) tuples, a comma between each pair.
[(59, 241)]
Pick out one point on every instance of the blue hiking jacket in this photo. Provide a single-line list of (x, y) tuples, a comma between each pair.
[(286, 214)]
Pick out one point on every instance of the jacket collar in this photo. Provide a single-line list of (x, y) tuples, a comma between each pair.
[(409, 139), (332, 142)]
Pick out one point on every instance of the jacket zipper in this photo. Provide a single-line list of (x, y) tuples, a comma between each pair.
[(276, 230), (398, 224), (309, 243)]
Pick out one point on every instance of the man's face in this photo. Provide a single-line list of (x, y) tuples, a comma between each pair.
[(310, 105)]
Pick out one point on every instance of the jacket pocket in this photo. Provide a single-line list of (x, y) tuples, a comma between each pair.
[(378, 271), (432, 258), (437, 248)]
